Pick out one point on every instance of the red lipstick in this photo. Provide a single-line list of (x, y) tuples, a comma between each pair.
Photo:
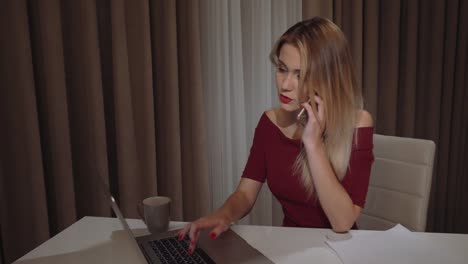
[(285, 99)]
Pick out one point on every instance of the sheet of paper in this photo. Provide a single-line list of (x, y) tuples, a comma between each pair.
[(397, 245)]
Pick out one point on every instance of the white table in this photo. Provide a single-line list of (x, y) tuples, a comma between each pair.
[(101, 240)]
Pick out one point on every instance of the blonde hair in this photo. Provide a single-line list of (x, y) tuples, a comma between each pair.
[(326, 69)]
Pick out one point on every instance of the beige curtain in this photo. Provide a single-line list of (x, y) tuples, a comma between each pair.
[(97, 91), (411, 59)]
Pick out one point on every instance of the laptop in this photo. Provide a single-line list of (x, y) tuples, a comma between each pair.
[(229, 247)]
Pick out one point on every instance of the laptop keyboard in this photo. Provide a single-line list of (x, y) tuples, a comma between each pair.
[(171, 250)]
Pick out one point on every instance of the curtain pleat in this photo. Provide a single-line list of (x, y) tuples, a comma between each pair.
[(408, 60), (370, 50), (24, 201), (125, 140), (461, 218), (195, 178), (86, 106), (166, 100), (140, 68), (456, 172), (387, 94), (53, 113), (437, 206)]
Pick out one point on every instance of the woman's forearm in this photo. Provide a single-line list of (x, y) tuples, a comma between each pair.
[(235, 207), (333, 198)]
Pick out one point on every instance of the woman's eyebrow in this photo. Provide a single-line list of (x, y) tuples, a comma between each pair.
[(281, 63)]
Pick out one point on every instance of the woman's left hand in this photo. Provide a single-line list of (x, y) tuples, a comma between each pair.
[(315, 126)]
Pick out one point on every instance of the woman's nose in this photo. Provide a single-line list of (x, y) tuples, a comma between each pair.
[(287, 82)]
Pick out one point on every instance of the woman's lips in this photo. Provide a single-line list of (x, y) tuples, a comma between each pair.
[(285, 99)]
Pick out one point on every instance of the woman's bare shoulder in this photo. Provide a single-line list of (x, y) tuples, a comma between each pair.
[(364, 119)]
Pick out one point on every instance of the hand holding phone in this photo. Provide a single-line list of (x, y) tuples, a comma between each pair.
[(302, 117)]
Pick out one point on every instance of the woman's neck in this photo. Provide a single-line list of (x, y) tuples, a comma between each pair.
[(287, 122), (285, 118)]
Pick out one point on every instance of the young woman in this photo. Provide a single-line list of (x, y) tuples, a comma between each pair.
[(315, 149)]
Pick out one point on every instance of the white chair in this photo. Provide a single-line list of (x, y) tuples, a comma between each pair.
[(400, 184)]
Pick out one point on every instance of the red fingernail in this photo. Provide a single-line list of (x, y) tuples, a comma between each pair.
[(190, 251), (212, 235), (180, 237)]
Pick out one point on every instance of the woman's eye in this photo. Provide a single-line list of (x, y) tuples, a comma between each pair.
[(282, 70)]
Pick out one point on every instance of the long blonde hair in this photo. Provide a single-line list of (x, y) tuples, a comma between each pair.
[(326, 70)]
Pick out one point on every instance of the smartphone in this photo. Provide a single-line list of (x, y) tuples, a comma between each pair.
[(302, 116)]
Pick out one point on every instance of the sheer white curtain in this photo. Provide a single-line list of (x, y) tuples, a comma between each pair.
[(236, 38)]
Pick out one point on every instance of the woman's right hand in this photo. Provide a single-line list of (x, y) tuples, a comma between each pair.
[(236, 206), (217, 222)]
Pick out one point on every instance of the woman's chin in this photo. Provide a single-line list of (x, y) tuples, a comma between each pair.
[(289, 108)]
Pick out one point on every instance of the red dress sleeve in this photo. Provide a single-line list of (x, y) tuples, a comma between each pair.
[(255, 168), (356, 180)]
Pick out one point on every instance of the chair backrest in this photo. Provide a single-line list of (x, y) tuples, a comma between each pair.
[(400, 184)]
